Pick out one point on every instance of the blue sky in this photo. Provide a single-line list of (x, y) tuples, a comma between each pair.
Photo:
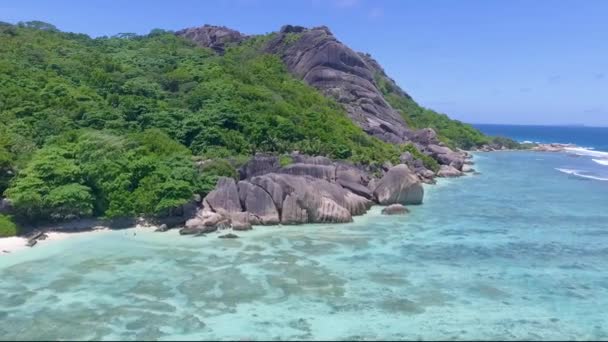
[(510, 61)]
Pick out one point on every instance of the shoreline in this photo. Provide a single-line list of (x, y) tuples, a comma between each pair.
[(12, 244)]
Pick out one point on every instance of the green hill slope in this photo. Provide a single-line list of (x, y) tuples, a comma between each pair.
[(74, 112)]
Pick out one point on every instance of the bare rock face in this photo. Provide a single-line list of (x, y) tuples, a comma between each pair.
[(399, 185), (425, 136), (327, 172), (274, 190), (225, 196), (214, 37), (446, 156), (449, 171), (315, 160), (306, 199), (258, 165), (258, 202), (323, 62), (240, 221)]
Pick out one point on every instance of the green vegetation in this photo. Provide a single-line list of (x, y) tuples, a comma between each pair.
[(428, 162), (84, 173), (285, 160), (7, 226), (109, 126), (452, 132)]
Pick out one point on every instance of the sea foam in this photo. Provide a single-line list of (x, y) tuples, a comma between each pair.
[(601, 161), (583, 151), (578, 173)]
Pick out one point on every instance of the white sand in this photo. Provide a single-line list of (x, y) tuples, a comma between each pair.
[(12, 244)]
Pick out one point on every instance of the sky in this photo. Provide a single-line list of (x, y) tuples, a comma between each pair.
[(479, 61)]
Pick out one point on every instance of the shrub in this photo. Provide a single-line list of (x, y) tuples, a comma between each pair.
[(7, 227)]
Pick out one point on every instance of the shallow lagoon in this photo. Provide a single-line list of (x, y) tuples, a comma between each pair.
[(518, 252)]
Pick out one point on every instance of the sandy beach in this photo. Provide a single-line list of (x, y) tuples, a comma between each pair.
[(12, 244)]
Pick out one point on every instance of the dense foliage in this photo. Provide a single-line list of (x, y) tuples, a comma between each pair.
[(108, 126), (84, 173), (7, 226)]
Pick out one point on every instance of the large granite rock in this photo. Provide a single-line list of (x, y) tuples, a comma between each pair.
[(258, 165), (214, 37), (445, 156), (327, 172), (240, 221), (275, 190), (315, 160), (399, 185), (257, 201), (323, 62), (425, 136), (449, 171), (225, 196), (307, 199)]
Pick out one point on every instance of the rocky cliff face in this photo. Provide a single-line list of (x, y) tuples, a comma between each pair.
[(317, 57)]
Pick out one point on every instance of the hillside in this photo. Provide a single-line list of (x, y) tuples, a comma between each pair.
[(111, 126)]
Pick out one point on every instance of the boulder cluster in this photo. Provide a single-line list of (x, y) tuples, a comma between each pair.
[(310, 190)]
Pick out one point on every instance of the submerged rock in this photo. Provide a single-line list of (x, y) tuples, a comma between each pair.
[(395, 209), (228, 236), (399, 185)]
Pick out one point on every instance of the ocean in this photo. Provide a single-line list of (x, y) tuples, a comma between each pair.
[(591, 142), (517, 252)]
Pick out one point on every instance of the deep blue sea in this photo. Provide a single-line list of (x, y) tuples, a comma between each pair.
[(595, 137), (592, 145), (518, 252)]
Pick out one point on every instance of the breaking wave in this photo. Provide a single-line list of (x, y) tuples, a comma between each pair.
[(578, 173), (601, 161)]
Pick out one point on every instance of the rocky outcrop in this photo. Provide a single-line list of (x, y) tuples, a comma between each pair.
[(257, 201), (466, 168), (327, 172), (395, 209), (445, 156), (449, 171), (308, 191), (323, 62), (213, 37), (258, 165), (399, 185), (225, 197), (241, 221)]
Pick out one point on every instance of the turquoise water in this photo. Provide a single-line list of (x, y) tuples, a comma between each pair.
[(518, 252)]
